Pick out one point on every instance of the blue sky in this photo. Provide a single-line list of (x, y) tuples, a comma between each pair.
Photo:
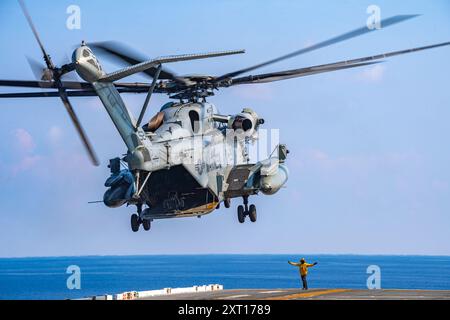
[(369, 159)]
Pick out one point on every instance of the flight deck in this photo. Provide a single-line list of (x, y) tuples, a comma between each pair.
[(312, 294), (217, 292)]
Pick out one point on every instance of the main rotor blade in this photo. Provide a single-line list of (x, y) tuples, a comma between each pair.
[(346, 36), (45, 84), (74, 86), (128, 71), (131, 57), (79, 128), (50, 94), (75, 93), (288, 74), (48, 60), (345, 64)]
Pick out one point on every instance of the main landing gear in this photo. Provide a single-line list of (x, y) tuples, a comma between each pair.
[(136, 221), (246, 210)]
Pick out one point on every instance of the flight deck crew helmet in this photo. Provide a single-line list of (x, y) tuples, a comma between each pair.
[(302, 260)]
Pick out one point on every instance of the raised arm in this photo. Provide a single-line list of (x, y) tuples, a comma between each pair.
[(293, 264)]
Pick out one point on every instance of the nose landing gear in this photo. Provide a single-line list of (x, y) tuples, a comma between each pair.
[(245, 210)]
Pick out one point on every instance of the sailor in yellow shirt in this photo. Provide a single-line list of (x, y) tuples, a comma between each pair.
[(303, 268)]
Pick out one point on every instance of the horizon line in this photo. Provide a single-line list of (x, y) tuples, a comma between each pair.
[(230, 254)]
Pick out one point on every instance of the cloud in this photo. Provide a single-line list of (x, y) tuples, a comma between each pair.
[(372, 74), (55, 135), (24, 141), (25, 146), (42, 161), (26, 163)]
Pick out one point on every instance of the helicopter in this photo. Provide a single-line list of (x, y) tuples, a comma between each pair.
[(188, 158)]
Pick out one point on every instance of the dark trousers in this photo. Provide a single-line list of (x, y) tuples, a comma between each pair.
[(305, 283)]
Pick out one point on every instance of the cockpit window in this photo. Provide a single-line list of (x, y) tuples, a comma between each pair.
[(194, 117), (86, 53), (91, 61)]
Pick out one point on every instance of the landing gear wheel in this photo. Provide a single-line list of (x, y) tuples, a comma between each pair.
[(252, 213), (135, 222), (146, 224), (241, 214), (227, 203)]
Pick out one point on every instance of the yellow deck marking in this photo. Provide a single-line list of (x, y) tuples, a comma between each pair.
[(307, 294)]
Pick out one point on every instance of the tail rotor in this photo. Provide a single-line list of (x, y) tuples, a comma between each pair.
[(53, 73)]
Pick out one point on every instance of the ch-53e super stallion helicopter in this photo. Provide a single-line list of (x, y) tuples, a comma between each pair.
[(188, 158)]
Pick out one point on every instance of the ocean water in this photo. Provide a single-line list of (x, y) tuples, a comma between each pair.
[(45, 278)]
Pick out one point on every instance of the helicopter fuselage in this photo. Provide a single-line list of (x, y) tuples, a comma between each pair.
[(192, 154)]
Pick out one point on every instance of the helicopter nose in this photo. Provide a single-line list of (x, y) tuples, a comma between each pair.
[(76, 55)]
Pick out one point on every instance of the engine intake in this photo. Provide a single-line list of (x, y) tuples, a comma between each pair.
[(242, 123), (247, 121)]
